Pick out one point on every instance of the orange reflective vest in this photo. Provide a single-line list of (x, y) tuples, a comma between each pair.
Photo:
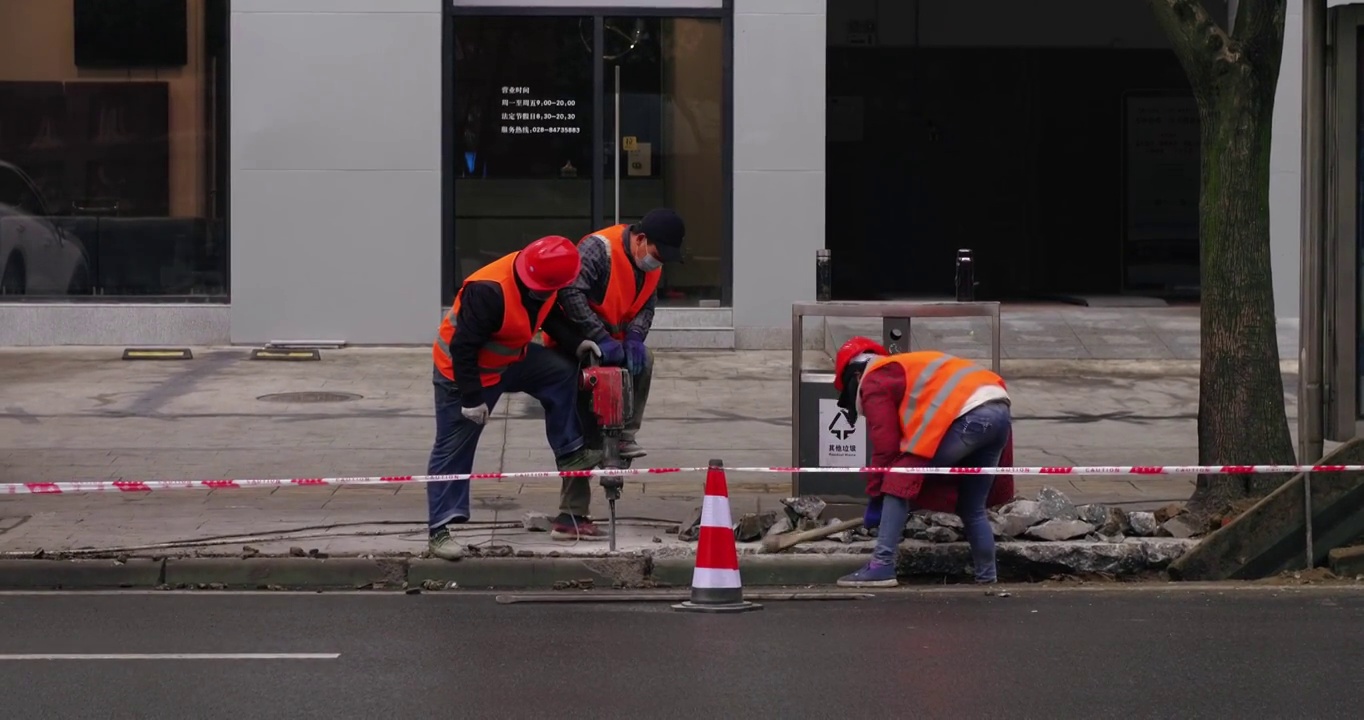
[(622, 300), (506, 346), (937, 387)]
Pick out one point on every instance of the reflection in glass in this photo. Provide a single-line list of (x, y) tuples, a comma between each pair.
[(669, 73), (523, 135), (525, 156), (112, 181)]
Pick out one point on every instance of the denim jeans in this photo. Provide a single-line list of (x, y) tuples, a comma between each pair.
[(543, 375), (976, 439)]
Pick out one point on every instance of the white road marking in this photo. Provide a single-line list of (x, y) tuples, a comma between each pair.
[(174, 656)]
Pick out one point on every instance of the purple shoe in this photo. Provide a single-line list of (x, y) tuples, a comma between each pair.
[(872, 575)]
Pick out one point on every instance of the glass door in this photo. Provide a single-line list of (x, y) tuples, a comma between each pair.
[(663, 139)]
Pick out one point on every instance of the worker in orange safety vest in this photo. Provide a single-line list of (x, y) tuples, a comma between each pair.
[(483, 350), (611, 304), (923, 409)]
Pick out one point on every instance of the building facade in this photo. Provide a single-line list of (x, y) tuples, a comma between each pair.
[(301, 170)]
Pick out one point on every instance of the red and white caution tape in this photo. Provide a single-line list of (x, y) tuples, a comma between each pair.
[(85, 486), (59, 488)]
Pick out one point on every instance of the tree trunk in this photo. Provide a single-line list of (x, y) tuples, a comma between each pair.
[(1241, 415)]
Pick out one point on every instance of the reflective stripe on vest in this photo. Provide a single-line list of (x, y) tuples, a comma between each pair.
[(937, 386), (622, 300), (495, 348), (509, 343)]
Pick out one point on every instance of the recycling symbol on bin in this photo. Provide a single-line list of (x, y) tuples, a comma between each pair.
[(847, 430)]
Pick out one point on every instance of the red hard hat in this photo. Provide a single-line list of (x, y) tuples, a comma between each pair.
[(850, 350), (548, 264)]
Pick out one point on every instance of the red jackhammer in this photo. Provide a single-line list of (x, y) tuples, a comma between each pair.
[(610, 392)]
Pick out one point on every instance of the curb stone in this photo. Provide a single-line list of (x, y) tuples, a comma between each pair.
[(288, 572), (79, 574), (623, 570), (820, 566), (768, 570)]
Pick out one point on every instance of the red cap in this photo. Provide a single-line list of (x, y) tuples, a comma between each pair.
[(548, 264), (851, 349)]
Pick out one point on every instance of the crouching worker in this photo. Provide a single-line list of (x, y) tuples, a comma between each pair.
[(611, 303), (483, 350), (924, 409)]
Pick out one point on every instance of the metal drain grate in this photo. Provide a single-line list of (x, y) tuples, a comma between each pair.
[(309, 397)]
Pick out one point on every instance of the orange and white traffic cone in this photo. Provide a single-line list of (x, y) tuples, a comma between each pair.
[(715, 583)]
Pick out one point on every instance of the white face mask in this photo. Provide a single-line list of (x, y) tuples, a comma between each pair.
[(649, 263)]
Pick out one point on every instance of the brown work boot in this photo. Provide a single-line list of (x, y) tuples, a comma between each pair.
[(571, 528)]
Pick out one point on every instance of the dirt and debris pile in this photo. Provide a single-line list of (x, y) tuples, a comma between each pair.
[(1048, 517)]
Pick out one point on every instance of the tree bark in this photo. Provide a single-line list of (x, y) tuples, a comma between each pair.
[(1241, 415)]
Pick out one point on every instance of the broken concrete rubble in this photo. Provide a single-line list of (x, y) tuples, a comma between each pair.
[(1040, 559), (782, 525), (1057, 530), (940, 534), (1173, 510), (535, 522), (1011, 525), (1024, 509), (1054, 505), (916, 526), (806, 506), (942, 519), (1183, 526), (752, 526), (1143, 524), (1094, 513), (1051, 517), (1116, 523), (690, 528)]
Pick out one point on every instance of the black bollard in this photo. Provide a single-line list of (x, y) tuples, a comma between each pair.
[(966, 276), (824, 279)]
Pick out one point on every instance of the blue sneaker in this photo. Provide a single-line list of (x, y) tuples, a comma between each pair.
[(872, 575)]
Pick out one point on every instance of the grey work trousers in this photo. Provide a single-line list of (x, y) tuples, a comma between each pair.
[(575, 497)]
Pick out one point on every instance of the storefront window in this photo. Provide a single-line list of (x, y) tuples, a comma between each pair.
[(113, 136), (522, 135), (535, 142)]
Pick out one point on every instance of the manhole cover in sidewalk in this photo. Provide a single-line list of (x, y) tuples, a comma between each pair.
[(309, 397)]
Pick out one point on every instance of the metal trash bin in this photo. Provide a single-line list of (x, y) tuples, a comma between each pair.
[(821, 435), (828, 439)]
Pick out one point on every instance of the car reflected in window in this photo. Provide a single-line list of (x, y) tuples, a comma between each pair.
[(38, 255)]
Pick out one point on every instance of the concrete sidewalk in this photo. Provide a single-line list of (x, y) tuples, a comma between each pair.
[(78, 414)]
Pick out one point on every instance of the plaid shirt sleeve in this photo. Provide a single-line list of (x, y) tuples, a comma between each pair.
[(591, 284)]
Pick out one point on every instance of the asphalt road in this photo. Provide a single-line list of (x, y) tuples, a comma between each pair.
[(1038, 654)]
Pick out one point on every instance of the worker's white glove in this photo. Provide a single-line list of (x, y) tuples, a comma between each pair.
[(477, 415), (587, 347)]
